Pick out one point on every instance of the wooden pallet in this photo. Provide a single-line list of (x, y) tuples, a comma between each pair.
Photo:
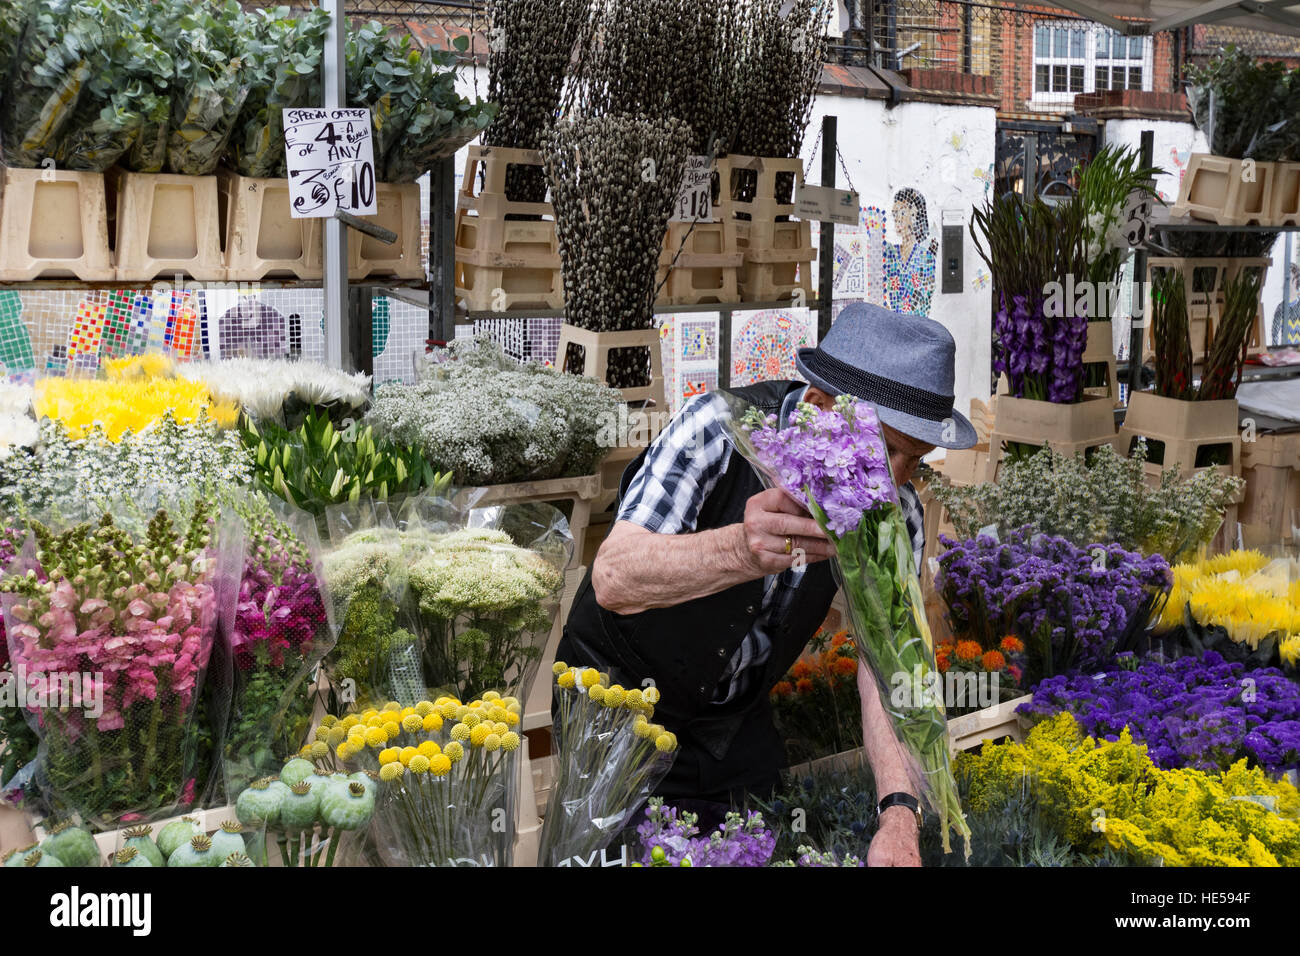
[(970, 731), (1070, 429), (263, 240), (53, 224), (1222, 190), (700, 262), (165, 224)]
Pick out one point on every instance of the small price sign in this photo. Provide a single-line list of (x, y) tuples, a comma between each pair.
[(695, 195), (1137, 217), (331, 160)]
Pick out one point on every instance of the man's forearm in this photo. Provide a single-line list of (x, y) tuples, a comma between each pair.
[(633, 571), (888, 760)]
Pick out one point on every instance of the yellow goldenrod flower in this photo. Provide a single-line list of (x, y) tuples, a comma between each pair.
[(322, 733), (614, 696), (634, 698), (391, 706), (642, 727), (499, 727), (511, 718), (350, 721), (343, 751)]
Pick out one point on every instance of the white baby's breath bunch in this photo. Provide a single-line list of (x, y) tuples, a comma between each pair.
[(171, 458), (489, 421), (261, 386)]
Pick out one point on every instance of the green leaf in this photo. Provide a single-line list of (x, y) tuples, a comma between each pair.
[(461, 43)]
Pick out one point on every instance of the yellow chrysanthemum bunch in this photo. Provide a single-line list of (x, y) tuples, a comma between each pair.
[(1243, 592), (138, 392), (1109, 793)]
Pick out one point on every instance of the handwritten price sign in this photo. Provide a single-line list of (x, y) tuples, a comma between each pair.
[(331, 162), (695, 194)]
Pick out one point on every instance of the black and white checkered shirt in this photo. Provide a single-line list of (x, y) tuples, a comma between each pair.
[(680, 469)]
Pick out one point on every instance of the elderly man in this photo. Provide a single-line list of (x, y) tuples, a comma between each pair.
[(710, 586)]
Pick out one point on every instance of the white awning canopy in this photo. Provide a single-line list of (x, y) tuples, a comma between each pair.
[(1274, 16)]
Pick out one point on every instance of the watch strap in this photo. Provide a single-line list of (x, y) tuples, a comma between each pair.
[(900, 799)]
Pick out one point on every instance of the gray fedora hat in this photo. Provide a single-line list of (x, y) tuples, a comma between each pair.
[(902, 364)]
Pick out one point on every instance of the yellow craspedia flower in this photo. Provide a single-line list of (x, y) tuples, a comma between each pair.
[(650, 695), (476, 705), (597, 693), (508, 702), (634, 698), (654, 730), (558, 668), (321, 733), (429, 748), (448, 709), (471, 720), (391, 755), (566, 680), (590, 677), (491, 695), (392, 721), (319, 750), (453, 751), (440, 765), (497, 713), (419, 764), (412, 723), (329, 720), (423, 708), (479, 734), (499, 727), (350, 721), (614, 696), (368, 713), (374, 720), (392, 705), (460, 732), (510, 741), (461, 711), (391, 771), (343, 750), (432, 722), (304, 750), (666, 742), (405, 754), (376, 737), (492, 742), (511, 719), (335, 735), (406, 712), (642, 727)]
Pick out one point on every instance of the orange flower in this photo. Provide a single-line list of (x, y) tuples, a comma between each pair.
[(803, 685), (968, 650), (846, 666), (942, 664), (1012, 644), (783, 688), (839, 638), (800, 670), (993, 661)]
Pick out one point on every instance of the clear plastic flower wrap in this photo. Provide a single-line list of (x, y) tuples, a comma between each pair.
[(111, 618), (836, 463), (609, 758), (280, 629), (436, 593)]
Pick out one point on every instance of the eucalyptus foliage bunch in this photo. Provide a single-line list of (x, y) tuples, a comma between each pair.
[(1248, 108), (211, 84), (489, 421), (1105, 499)]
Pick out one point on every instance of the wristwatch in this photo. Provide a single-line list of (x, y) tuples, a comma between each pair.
[(900, 799)]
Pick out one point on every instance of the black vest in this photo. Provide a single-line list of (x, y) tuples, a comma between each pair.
[(686, 648)]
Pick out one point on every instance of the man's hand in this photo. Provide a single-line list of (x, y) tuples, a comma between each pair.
[(771, 517), (895, 842)]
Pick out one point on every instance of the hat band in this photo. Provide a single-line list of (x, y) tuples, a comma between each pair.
[(908, 399)]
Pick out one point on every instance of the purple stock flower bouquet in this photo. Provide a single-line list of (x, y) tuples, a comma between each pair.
[(1072, 606), (671, 838), (279, 633), (836, 463), (1200, 711)]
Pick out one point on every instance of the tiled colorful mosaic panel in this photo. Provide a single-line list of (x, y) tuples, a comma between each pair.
[(764, 345), (15, 341)]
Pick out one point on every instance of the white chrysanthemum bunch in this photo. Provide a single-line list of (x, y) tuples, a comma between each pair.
[(170, 458), (261, 386), (490, 422)]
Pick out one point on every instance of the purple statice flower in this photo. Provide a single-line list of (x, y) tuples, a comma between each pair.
[(738, 841), (835, 458), (1043, 588), (1200, 711)]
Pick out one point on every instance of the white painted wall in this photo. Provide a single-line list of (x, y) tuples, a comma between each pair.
[(944, 152)]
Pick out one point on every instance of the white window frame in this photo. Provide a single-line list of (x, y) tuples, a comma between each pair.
[(1054, 101)]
